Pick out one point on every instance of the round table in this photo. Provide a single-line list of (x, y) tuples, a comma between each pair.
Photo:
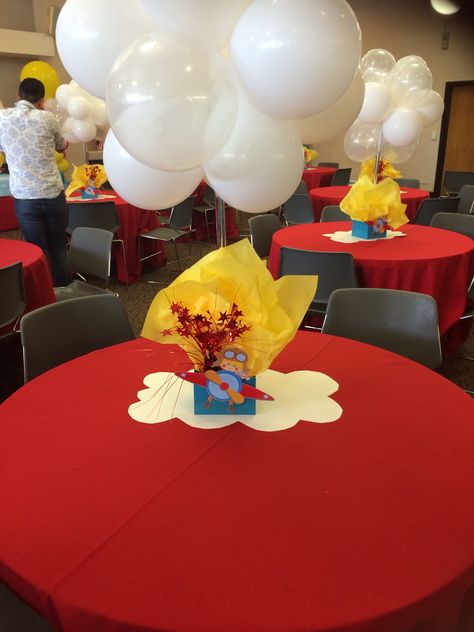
[(329, 196), (428, 260), (318, 176), (36, 275), (110, 525)]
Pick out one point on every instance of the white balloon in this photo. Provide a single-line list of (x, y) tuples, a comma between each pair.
[(63, 94), (376, 104), (79, 107), (84, 130), (99, 114), (377, 65), (411, 82), (402, 127), (445, 7), (430, 108), (337, 118), (410, 59), (204, 23), (90, 35), (68, 125), (296, 57), (361, 141), (397, 155), (261, 164), (143, 186), (70, 137), (170, 106)]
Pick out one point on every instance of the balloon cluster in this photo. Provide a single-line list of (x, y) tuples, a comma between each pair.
[(82, 116), (209, 88), (398, 103)]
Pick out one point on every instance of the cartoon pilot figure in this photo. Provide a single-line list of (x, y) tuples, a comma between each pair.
[(231, 360)]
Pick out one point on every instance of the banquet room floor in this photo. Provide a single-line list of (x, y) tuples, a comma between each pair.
[(138, 296)]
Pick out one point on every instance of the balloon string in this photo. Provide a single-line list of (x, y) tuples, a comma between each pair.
[(378, 156), (221, 232)]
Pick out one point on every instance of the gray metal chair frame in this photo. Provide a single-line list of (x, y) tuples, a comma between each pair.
[(298, 210), (262, 229), (334, 270), (457, 222), (89, 255), (454, 180), (62, 331), (341, 177), (179, 226), (333, 213), (209, 206), (328, 164), (412, 183), (466, 200), (399, 321), (12, 294), (428, 209), (96, 215)]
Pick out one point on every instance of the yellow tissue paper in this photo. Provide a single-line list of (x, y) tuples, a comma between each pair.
[(386, 169), (367, 201), (309, 154), (86, 176), (230, 297), (2, 158)]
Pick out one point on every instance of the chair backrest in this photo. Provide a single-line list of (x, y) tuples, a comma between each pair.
[(298, 210), (412, 183), (209, 196), (65, 330), (302, 188), (90, 252), (262, 228), (428, 209), (182, 214), (466, 199), (341, 177), (334, 269), (400, 321), (12, 293), (456, 222), (333, 213), (93, 215), (328, 164), (454, 180)]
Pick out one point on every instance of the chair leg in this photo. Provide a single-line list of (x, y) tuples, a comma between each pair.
[(177, 255)]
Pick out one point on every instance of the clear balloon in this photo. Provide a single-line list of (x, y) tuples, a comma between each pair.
[(377, 65), (143, 186), (402, 127), (43, 72), (261, 164), (430, 108), (203, 24), (51, 105), (397, 155), (337, 118), (90, 35), (411, 82), (83, 130), (170, 106), (361, 141), (79, 107), (296, 57), (377, 101)]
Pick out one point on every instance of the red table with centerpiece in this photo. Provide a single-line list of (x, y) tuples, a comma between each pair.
[(318, 176)]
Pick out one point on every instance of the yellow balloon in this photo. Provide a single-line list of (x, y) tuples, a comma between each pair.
[(43, 72), (59, 155), (63, 166), (2, 158)]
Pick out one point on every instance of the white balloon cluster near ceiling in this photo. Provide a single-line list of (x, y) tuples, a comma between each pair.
[(398, 103), (216, 88)]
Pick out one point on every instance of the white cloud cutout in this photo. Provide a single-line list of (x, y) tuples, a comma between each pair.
[(301, 395), (346, 236)]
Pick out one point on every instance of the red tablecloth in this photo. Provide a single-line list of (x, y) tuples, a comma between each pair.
[(109, 525), (428, 260), (318, 176), (8, 219), (328, 196), (36, 275)]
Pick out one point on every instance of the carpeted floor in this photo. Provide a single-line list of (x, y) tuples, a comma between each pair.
[(138, 296)]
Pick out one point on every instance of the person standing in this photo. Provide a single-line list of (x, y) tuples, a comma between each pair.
[(28, 137)]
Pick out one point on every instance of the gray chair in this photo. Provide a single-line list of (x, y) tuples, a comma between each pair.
[(334, 270), (333, 213), (12, 294), (207, 208), (62, 331), (454, 180), (301, 189), (96, 215), (341, 177), (329, 164), (466, 200), (298, 210), (17, 616), (89, 255), (179, 226), (428, 209), (262, 228), (403, 322), (412, 183), (456, 222)]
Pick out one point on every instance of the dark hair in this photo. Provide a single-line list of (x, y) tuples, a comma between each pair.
[(31, 90)]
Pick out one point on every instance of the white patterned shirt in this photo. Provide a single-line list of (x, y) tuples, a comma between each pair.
[(28, 137)]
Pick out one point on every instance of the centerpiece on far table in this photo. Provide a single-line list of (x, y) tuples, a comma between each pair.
[(87, 179)]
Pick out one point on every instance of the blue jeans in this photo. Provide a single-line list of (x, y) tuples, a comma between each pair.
[(43, 222)]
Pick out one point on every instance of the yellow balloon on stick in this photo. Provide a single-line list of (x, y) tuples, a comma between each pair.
[(43, 72)]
